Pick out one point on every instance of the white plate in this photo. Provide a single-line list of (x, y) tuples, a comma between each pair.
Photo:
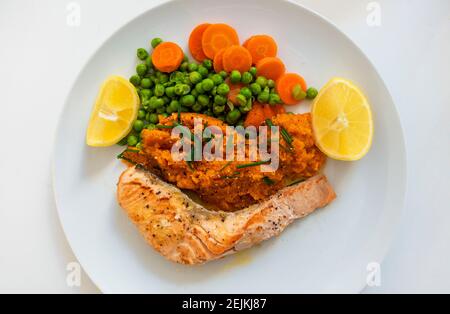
[(326, 252)]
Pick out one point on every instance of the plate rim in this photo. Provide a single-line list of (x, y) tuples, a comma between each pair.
[(404, 168)]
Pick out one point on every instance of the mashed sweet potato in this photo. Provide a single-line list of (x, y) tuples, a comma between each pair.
[(221, 184)]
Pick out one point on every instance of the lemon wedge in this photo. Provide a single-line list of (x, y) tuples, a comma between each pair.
[(114, 112), (342, 120)]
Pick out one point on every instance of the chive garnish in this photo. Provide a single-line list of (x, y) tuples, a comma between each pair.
[(256, 163), (128, 150), (296, 181), (285, 134), (226, 165)]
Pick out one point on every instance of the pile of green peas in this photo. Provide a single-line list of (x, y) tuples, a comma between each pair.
[(194, 88)]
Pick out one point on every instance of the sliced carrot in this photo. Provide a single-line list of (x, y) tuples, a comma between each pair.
[(237, 58), (195, 42), (256, 116), (246, 42), (167, 57), (234, 91), (218, 61), (278, 109), (286, 83), (217, 37), (271, 68), (262, 46)]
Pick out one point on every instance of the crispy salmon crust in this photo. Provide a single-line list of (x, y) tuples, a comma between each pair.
[(187, 233)]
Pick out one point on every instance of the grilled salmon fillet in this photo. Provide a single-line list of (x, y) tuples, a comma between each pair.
[(185, 232)]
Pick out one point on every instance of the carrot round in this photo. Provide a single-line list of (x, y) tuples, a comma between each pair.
[(237, 58), (261, 46), (255, 116), (246, 42), (278, 109), (234, 91), (195, 42), (271, 68), (285, 85), (217, 37), (167, 57), (218, 61)]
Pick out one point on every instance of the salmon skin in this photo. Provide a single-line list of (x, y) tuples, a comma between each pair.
[(185, 232)]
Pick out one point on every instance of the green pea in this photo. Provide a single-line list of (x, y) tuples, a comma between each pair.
[(187, 100), (203, 100), (141, 69), (184, 66), (235, 77), (161, 110), (146, 93), (223, 89), (132, 140), (155, 103), (163, 78), (255, 88), (263, 97), (233, 116), (217, 79), (214, 91), (149, 62), (146, 83), (203, 71), (207, 63), (311, 93), (253, 71), (217, 109), (223, 74), (241, 99), (195, 77), (150, 126), (180, 89), (170, 91), (152, 118), (298, 93), (159, 90), (262, 81), (135, 80), (142, 54), (199, 88), (192, 67), (246, 92), (220, 100), (271, 83), (174, 104), (247, 107), (138, 125), (274, 99), (207, 84), (197, 107), (246, 78), (141, 114), (156, 41), (166, 100), (194, 93)]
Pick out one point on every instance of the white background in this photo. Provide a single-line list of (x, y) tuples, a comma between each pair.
[(40, 56)]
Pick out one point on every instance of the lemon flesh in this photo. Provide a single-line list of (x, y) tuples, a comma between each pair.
[(114, 112), (342, 121)]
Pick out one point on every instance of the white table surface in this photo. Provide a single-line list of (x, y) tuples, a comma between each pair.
[(40, 56)]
